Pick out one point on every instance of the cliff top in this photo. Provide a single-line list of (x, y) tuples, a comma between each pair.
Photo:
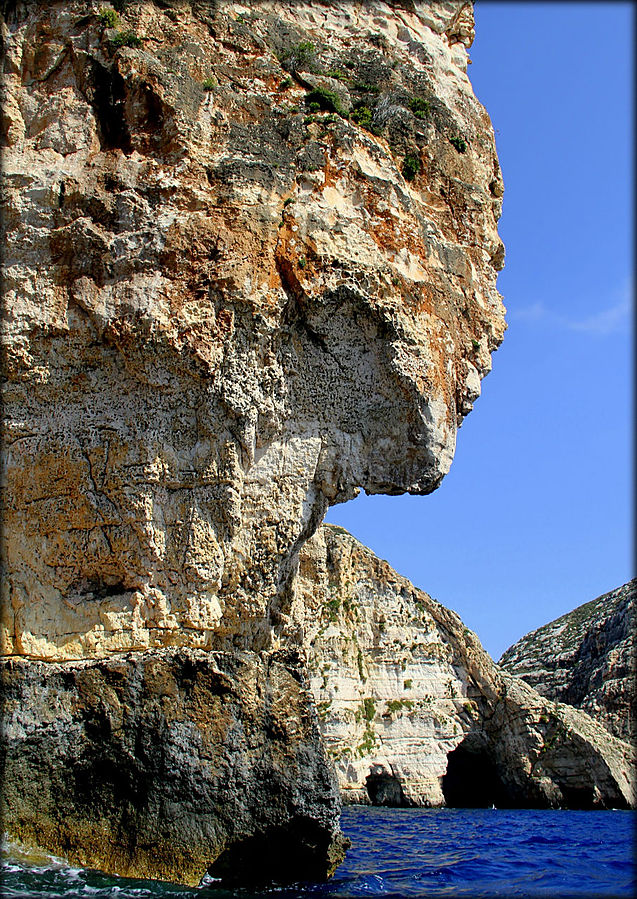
[(563, 636)]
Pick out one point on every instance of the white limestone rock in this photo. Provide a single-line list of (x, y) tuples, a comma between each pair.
[(414, 711)]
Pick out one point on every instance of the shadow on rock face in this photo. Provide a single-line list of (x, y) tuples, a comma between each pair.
[(471, 779), (385, 789), (284, 854)]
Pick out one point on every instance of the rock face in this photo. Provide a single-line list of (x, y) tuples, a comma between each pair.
[(586, 658), (415, 712), (196, 761), (227, 313), (249, 268)]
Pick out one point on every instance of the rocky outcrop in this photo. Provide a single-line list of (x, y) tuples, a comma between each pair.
[(249, 268), (228, 308), (586, 658), (171, 764), (415, 712)]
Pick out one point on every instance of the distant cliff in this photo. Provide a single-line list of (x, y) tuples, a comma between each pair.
[(587, 659), (415, 712)]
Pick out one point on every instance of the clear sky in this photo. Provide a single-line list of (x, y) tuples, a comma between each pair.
[(535, 516)]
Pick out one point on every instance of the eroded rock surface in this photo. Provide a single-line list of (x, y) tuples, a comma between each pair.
[(167, 764), (586, 658), (224, 313), (226, 306), (415, 712)]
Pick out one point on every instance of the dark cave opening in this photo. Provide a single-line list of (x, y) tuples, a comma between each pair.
[(579, 797), (108, 96), (472, 779), (295, 851), (385, 789)]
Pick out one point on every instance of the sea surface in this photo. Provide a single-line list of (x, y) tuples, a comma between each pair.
[(407, 853)]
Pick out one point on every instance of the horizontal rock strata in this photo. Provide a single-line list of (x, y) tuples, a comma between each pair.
[(586, 658), (415, 712)]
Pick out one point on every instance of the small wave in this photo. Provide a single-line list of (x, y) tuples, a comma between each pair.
[(539, 840), (372, 884)]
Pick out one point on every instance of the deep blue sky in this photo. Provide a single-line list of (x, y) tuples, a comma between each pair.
[(535, 516)]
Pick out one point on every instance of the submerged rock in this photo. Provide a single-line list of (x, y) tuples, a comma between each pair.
[(229, 306), (586, 658), (415, 712)]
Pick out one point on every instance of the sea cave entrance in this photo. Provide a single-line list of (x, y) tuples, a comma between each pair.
[(384, 788), (472, 779)]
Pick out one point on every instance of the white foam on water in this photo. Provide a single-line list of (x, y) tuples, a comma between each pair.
[(12, 869)]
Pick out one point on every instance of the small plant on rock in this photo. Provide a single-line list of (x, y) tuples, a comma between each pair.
[(420, 107), (369, 708), (126, 39), (209, 84), (368, 744), (362, 116), (325, 100), (365, 87), (108, 18), (459, 143), (411, 166), (333, 605), (361, 667), (298, 57)]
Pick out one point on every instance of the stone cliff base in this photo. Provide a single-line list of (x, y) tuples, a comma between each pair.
[(170, 764)]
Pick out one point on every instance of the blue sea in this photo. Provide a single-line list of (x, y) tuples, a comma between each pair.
[(408, 853)]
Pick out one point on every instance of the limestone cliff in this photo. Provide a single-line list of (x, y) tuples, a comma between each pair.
[(249, 268), (415, 712), (587, 659), (226, 307)]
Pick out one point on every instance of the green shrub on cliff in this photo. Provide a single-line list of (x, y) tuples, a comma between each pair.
[(368, 743), (300, 56), (324, 99), (459, 143), (411, 166), (333, 605), (397, 705), (420, 107), (126, 39), (361, 667), (362, 115), (108, 18), (364, 87)]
